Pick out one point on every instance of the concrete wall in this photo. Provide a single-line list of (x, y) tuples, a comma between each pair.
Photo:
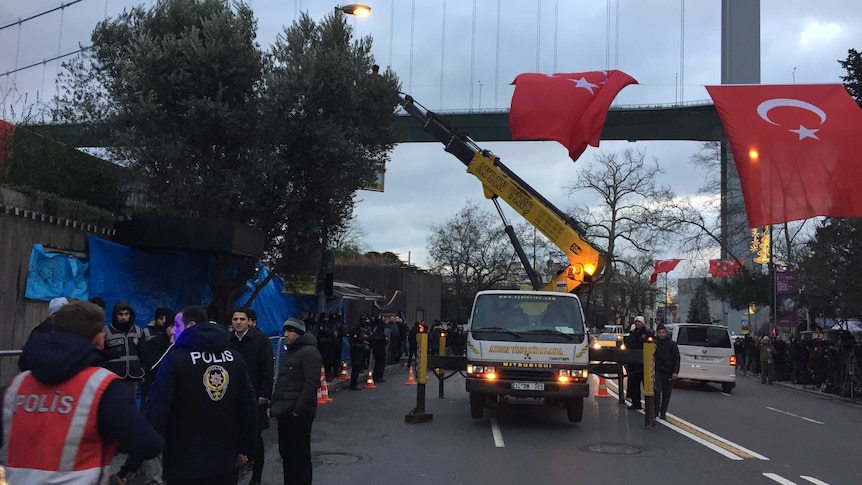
[(422, 290)]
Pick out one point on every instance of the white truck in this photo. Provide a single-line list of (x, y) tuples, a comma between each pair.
[(528, 345)]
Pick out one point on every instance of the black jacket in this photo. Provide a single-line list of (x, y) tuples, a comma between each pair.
[(666, 356), (298, 378), (257, 353), (203, 403), (56, 357)]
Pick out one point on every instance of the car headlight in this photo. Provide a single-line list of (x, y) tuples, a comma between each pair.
[(480, 369), (597, 346), (622, 346)]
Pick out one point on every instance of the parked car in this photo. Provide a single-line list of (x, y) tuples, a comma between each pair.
[(609, 340), (705, 353)]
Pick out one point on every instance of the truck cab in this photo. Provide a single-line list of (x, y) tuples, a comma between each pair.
[(527, 345)]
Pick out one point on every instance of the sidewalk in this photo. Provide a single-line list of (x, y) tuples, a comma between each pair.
[(336, 384), (807, 388)]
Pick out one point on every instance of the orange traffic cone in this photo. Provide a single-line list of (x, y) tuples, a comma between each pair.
[(320, 399), (343, 376), (369, 384), (411, 380), (324, 391), (603, 388)]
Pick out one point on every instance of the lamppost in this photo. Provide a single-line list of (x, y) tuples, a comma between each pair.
[(357, 9)]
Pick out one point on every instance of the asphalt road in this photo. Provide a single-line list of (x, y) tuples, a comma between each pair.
[(759, 434)]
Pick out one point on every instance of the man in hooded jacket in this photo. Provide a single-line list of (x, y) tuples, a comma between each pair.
[(294, 401), (62, 366), (122, 338), (203, 403)]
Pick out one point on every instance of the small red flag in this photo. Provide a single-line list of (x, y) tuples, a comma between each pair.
[(566, 107), (796, 149), (720, 268), (663, 266)]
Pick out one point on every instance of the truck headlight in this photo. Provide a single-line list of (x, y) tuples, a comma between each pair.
[(481, 369)]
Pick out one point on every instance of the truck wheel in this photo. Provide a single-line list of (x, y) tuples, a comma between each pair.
[(477, 405), (727, 387), (575, 409)]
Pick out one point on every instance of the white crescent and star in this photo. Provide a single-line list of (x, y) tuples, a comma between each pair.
[(803, 132), (583, 83)]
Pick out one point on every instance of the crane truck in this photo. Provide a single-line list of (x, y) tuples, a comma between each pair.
[(524, 345)]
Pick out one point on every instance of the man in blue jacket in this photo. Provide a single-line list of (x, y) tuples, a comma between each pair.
[(204, 404)]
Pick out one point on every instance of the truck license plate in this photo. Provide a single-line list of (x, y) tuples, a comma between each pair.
[(528, 386)]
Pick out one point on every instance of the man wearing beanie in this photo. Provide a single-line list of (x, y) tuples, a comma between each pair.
[(666, 369), (294, 401)]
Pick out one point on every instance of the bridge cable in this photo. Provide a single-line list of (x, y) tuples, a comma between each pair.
[(46, 12), (412, 32), (682, 51), (617, 38), (391, 30), (473, 56), (608, 36), (497, 59), (538, 33), (442, 54), (556, 30), (43, 61)]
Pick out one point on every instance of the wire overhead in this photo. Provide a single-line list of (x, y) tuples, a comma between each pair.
[(46, 12)]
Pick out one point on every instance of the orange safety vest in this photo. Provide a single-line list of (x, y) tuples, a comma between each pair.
[(51, 432)]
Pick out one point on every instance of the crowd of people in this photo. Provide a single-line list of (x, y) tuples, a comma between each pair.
[(157, 389)]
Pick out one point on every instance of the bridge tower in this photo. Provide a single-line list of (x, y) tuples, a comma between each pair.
[(740, 64)]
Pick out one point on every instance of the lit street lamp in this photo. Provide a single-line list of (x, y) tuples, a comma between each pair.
[(354, 9)]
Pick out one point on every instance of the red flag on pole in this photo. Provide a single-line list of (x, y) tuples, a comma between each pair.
[(796, 149), (663, 266), (566, 107), (720, 268)]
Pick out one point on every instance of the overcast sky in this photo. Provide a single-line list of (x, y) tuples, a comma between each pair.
[(449, 58)]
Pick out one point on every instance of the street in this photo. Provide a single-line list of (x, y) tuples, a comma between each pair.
[(758, 434)]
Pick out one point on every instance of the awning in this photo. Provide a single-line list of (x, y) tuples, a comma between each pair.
[(352, 292)]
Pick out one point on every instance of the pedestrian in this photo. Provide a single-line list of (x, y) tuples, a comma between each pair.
[(294, 402), (779, 359), (635, 371), (412, 343), (666, 369), (122, 337), (65, 416), (254, 347), (767, 355), (45, 325), (203, 403)]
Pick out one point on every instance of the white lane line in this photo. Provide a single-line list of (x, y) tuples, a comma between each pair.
[(779, 479), (813, 480), (794, 415), (498, 436), (700, 440)]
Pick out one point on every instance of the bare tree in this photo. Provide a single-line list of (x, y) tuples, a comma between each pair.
[(471, 252)]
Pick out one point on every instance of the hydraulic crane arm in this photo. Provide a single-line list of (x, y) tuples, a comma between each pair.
[(585, 259)]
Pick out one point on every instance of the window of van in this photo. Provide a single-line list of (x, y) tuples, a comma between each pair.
[(703, 337)]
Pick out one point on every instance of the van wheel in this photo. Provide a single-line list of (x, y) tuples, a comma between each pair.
[(575, 409), (727, 387), (477, 405)]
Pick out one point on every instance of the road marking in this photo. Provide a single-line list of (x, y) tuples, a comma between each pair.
[(778, 478), (498, 436), (813, 480), (712, 441), (794, 415)]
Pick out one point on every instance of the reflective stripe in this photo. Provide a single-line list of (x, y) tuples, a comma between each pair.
[(100, 476), (8, 407), (79, 419)]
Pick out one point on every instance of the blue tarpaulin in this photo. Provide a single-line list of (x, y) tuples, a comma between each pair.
[(52, 275)]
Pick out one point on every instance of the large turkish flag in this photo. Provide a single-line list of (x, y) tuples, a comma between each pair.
[(663, 266), (566, 107), (720, 268), (797, 148)]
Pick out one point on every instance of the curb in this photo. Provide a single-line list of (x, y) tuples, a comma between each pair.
[(812, 390), (337, 385)]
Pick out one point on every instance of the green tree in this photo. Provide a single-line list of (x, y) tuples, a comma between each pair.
[(698, 312), (215, 127), (853, 79), (830, 272)]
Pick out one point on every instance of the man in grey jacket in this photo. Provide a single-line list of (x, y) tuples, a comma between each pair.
[(294, 401)]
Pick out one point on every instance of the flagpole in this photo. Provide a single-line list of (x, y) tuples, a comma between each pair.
[(666, 302), (773, 311)]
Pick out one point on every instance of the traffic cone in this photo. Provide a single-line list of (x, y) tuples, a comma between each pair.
[(369, 384), (343, 376), (411, 380), (603, 388), (320, 399), (324, 391)]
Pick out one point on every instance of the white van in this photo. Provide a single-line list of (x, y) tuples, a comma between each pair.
[(705, 353)]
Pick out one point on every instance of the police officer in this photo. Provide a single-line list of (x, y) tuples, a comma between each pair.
[(358, 346), (204, 404), (62, 380), (121, 342)]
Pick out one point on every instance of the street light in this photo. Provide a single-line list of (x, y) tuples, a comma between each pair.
[(357, 9)]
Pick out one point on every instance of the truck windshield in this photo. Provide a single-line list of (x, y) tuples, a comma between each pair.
[(529, 317)]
